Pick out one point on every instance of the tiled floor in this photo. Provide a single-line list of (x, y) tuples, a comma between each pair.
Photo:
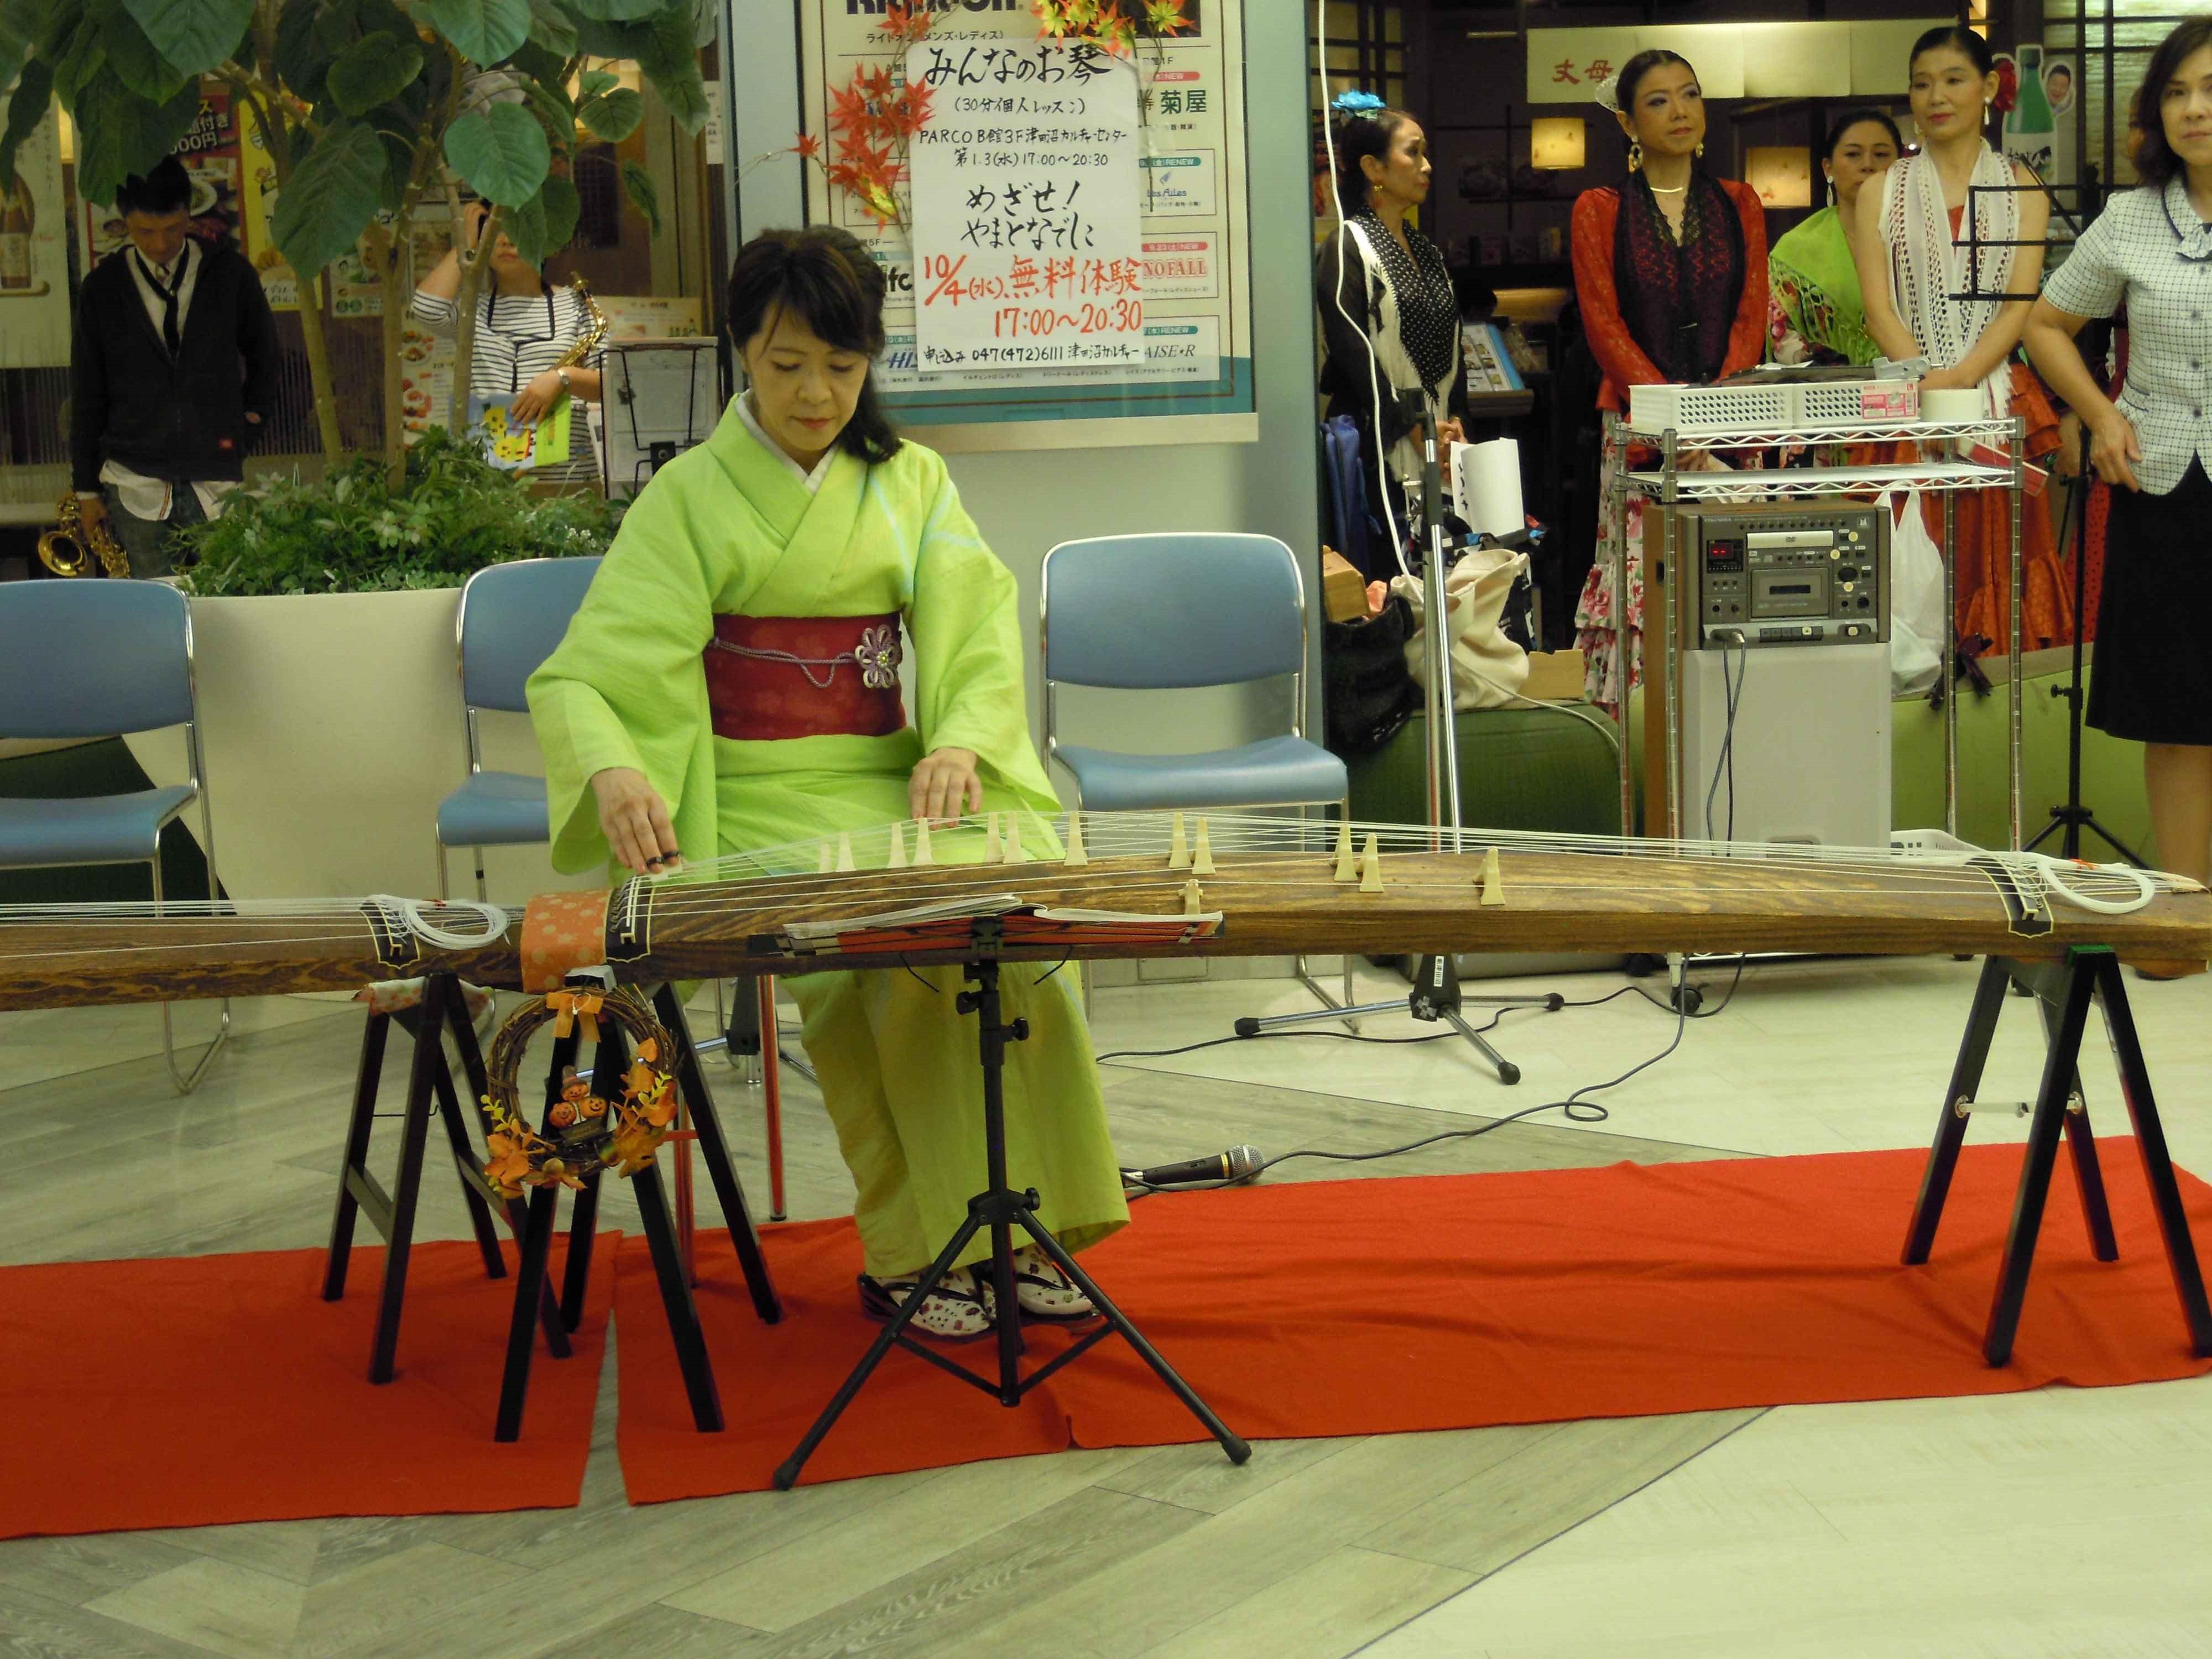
[(2059, 1522)]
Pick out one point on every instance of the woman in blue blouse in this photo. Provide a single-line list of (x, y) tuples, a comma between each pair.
[(2151, 251)]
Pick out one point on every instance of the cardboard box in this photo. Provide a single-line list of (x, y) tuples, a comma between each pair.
[(1343, 589), (1554, 676)]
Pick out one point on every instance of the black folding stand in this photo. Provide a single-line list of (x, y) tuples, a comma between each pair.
[(1001, 1209), (611, 1059), (2074, 816), (392, 1214), (2064, 991)]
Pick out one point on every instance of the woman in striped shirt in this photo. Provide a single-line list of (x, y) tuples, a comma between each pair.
[(524, 327)]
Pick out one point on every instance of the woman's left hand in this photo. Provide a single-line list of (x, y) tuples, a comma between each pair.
[(944, 786), (536, 397), (1943, 379), (1449, 431)]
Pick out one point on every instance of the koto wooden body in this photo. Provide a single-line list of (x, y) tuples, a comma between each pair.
[(1269, 904)]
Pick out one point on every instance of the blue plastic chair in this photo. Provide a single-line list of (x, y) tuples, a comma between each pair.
[(95, 659), (1175, 612), (512, 616)]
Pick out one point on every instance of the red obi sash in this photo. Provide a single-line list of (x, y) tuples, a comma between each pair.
[(771, 677)]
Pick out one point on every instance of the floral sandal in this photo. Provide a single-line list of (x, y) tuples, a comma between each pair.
[(1043, 1291), (960, 1309)]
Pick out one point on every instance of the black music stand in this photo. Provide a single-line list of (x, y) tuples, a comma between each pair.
[(2074, 817), (1001, 1209)]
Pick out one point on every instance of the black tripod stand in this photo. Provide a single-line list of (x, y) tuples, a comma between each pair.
[(1436, 995), (1001, 1209), (2074, 816)]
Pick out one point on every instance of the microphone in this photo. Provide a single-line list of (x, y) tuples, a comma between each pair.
[(1238, 1164)]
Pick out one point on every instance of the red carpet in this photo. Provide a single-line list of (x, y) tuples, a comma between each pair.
[(188, 1392), (1362, 1307)]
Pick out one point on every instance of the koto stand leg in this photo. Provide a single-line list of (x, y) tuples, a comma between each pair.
[(714, 1148), (2082, 1150), (2157, 1162), (529, 1285), (2043, 1136), (1951, 1124), (358, 1129), (414, 1133)]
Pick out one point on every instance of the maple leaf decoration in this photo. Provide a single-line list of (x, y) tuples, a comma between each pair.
[(906, 20), (809, 147), (1165, 17)]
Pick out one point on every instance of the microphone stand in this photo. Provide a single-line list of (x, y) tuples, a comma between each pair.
[(2074, 817), (1436, 995)]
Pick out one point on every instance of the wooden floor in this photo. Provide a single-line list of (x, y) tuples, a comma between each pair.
[(2054, 1522)]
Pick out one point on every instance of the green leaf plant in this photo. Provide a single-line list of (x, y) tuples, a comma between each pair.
[(371, 112)]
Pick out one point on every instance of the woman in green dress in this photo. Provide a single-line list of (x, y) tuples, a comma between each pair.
[(1814, 312), (724, 690)]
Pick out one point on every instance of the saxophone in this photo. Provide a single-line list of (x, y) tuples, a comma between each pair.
[(69, 549), (589, 342)]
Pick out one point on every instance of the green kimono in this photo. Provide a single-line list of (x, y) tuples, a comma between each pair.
[(728, 528)]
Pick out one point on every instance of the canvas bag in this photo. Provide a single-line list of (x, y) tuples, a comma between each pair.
[(1487, 668)]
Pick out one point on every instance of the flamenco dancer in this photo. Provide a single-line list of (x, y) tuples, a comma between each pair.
[(728, 685)]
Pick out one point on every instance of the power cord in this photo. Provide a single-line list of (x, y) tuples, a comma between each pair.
[(1574, 1107)]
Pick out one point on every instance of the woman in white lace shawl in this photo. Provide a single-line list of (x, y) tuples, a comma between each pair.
[(1914, 253)]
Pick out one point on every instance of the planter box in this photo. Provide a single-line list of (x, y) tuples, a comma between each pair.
[(332, 728)]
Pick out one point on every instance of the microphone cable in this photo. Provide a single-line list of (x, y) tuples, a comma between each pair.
[(1575, 1108)]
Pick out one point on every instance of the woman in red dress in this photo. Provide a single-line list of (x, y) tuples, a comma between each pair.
[(1670, 273)]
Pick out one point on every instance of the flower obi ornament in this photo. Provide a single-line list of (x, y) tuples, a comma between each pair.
[(589, 1127), (879, 656)]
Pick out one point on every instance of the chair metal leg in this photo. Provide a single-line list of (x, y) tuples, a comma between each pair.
[(185, 1082), (444, 886)]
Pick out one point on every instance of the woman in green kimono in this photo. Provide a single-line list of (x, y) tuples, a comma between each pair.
[(1815, 313), (722, 690)]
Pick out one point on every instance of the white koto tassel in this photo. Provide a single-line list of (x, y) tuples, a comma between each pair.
[(1178, 848), (1014, 854), (897, 859), (1370, 866), (1076, 858), (845, 850), (1347, 862), (1201, 855), (825, 859), (994, 851), (922, 857)]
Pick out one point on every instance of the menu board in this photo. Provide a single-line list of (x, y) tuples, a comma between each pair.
[(1182, 316)]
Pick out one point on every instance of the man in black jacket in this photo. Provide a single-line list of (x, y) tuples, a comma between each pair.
[(173, 365)]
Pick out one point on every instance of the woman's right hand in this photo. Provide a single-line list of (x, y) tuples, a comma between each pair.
[(2113, 445), (473, 224), (635, 820)]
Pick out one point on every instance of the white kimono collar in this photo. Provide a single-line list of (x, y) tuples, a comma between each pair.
[(813, 481)]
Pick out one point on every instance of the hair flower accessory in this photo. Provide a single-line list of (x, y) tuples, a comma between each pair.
[(1355, 105), (2007, 88)]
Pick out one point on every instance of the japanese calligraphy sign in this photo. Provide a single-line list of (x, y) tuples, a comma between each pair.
[(1027, 196)]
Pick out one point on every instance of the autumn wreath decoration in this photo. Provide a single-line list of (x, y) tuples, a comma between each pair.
[(585, 1130)]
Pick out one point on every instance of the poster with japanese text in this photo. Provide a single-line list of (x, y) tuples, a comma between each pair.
[(1189, 352), (1025, 181)]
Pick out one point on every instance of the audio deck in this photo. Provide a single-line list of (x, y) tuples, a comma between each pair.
[(1789, 573)]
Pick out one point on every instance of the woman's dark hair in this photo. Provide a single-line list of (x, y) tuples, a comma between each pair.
[(1958, 38), (1633, 71), (164, 188), (1852, 118), (823, 277), (1370, 132), (2155, 161)]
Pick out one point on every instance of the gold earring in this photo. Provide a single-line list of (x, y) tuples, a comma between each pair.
[(1635, 153), (1701, 150)]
